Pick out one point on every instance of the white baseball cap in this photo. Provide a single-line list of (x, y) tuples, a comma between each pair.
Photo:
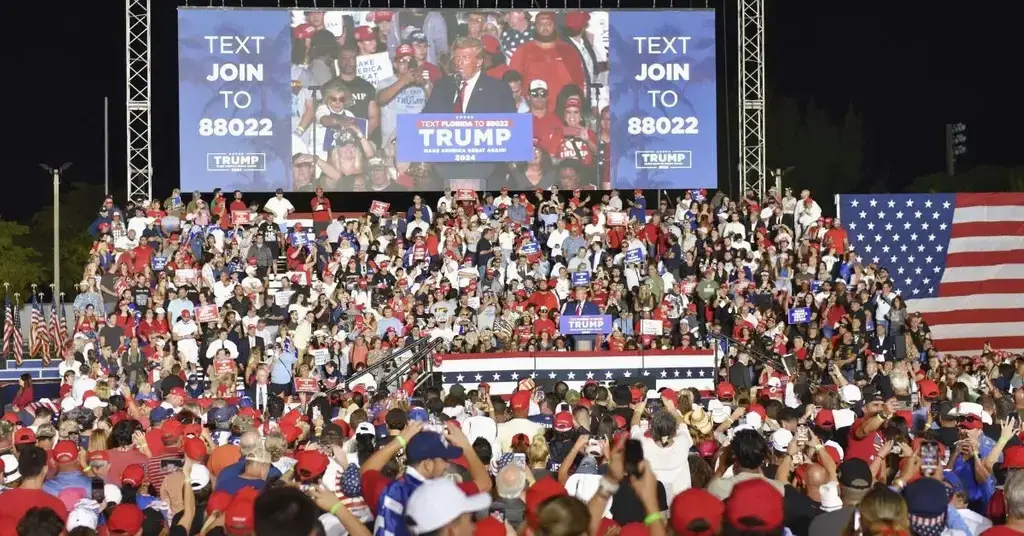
[(200, 476), (438, 502), (850, 393), (781, 439), (82, 517), (538, 84)]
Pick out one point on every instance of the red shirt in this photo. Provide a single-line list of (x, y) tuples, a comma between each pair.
[(547, 129), (571, 148), (838, 238), (323, 213), (864, 449), (558, 66), (18, 501)]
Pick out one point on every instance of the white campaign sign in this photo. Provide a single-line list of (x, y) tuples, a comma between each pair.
[(374, 67)]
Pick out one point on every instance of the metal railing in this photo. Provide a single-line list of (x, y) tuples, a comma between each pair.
[(386, 363), (422, 357)]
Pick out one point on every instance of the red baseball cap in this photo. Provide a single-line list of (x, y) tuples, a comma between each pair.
[(520, 401), (99, 456), (192, 431), (364, 33), (1013, 457), (304, 31), (65, 451), (310, 464), (133, 475), (825, 419), (239, 517), (537, 494), (177, 391), (726, 391), (928, 389), (695, 505), (125, 518), (670, 394), (172, 428), (562, 421), (754, 504), (24, 436), (195, 449)]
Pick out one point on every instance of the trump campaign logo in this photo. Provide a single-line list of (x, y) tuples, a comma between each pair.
[(664, 159), (236, 162)]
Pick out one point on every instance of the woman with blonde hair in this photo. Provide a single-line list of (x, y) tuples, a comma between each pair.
[(882, 512)]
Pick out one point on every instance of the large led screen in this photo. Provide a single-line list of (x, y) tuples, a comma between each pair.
[(420, 100)]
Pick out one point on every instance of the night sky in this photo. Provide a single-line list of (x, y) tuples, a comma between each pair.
[(908, 67)]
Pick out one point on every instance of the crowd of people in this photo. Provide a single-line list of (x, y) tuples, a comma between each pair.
[(204, 388), (353, 76)]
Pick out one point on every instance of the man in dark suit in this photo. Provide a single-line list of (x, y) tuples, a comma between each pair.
[(469, 90), (246, 345), (259, 392), (580, 306), (740, 374), (881, 342)]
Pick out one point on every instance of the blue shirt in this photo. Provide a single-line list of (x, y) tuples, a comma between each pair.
[(230, 478), (68, 479), (282, 372), (977, 494)]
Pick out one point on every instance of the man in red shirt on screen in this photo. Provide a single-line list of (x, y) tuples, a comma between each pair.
[(549, 59)]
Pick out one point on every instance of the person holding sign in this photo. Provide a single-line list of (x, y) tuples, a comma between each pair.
[(405, 92), (362, 97)]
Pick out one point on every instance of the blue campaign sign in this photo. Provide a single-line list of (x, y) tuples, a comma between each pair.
[(635, 256), (476, 137), (664, 99), (159, 263), (816, 285), (235, 99), (799, 315), (530, 248), (580, 279), (585, 325)]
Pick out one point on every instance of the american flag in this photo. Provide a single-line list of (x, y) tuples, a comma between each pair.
[(8, 326), (55, 323), (674, 369), (40, 340), (958, 259), (18, 341)]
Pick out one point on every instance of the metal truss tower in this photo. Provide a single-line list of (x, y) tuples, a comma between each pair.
[(137, 80), (752, 96)]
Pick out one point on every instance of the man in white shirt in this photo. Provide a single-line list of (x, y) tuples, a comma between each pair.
[(222, 343), (519, 423), (280, 208), (185, 331), (260, 392), (223, 289)]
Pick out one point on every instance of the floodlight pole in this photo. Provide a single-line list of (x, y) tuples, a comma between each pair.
[(55, 173)]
